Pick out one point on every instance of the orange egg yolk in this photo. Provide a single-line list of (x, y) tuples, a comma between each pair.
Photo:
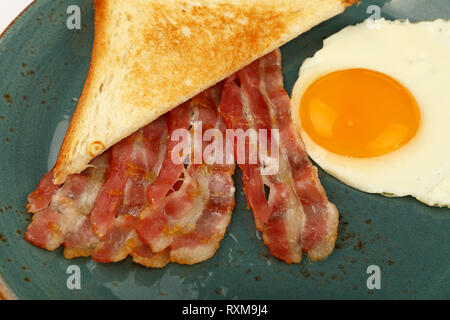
[(359, 113)]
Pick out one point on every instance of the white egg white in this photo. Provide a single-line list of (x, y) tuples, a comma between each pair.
[(418, 56)]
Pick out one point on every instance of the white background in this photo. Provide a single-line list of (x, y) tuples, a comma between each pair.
[(9, 10)]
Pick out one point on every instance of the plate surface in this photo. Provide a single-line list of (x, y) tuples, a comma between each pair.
[(43, 66)]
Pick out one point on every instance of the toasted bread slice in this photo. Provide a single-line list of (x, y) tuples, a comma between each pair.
[(149, 56)]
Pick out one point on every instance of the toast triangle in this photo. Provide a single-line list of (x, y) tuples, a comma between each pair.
[(150, 56)]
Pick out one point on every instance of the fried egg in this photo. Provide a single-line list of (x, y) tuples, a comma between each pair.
[(373, 108)]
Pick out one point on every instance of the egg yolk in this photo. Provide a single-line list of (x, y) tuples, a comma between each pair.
[(359, 113)]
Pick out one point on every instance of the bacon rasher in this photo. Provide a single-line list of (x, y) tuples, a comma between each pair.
[(190, 206), (63, 218), (106, 198), (135, 164), (296, 216)]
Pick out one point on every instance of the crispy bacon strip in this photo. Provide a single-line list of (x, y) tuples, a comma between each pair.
[(65, 219), (203, 241), (179, 118), (190, 207), (40, 198), (135, 163), (297, 215)]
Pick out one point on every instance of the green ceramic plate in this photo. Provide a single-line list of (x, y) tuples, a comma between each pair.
[(43, 66)]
